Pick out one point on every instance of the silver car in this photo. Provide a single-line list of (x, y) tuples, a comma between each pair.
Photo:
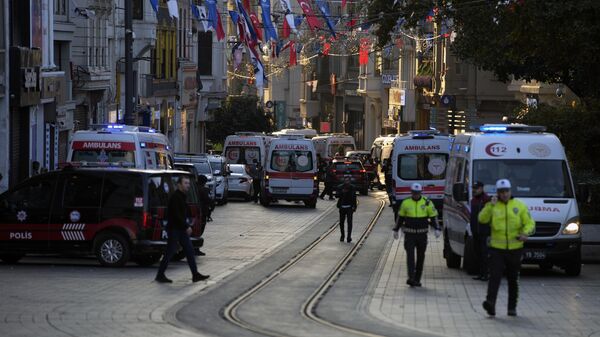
[(240, 181), (203, 167)]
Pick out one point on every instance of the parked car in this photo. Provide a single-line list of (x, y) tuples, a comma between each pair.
[(219, 167), (203, 167), (240, 181), (355, 170), (116, 214), (368, 163)]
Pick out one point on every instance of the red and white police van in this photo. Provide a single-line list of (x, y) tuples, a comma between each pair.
[(536, 165), (245, 147), (328, 145), (124, 145), (291, 171), (420, 157)]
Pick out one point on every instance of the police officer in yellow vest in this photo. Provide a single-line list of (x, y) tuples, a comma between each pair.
[(415, 216), (510, 225)]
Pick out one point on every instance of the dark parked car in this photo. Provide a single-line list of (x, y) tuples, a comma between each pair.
[(116, 214), (354, 169)]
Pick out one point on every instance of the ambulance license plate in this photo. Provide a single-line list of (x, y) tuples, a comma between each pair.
[(280, 189), (534, 255)]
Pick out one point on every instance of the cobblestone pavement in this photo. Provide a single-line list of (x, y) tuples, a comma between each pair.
[(449, 304), (77, 297)]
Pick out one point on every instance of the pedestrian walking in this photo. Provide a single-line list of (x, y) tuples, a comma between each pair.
[(346, 203), (481, 232), (415, 216), (256, 172), (329, 182), (179, 231), (510, 226), (206, 205)]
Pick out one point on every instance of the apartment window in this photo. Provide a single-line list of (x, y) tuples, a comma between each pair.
[(138, 9), (60, 7), (183, 48), (205, 53), (164, 58)]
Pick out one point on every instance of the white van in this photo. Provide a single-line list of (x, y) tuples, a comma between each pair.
[(307, 133), (245, 147), (420, 157), (328, 145), (291, 171), (125, 145), (536, 165), (381, 150)]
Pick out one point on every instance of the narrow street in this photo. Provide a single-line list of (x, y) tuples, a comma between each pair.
[(281, 271)]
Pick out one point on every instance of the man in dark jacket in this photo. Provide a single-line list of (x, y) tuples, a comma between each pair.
[(329, 182), (481, 232), (256, 171), (346, 203), (179, 231)]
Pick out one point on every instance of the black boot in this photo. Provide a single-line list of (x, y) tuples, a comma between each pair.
[(161, 278)]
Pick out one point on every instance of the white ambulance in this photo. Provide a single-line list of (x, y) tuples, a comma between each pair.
[(328, 145), (245, 147), (420, 157), (536, 165), (291, 171), (123, 145)]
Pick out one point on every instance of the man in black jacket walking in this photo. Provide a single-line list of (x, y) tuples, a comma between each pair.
[(347, 205), (179, 232)]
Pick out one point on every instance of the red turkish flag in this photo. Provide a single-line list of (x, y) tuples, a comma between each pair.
[(220, 31), (311, 19), (293, 60), (363, 56), (286, 29), (256, 25)]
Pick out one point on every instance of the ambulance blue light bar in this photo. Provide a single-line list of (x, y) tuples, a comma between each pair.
[(511, 128)]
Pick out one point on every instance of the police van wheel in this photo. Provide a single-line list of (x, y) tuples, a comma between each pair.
[(178, 256), (112, 250), (10, 258), (310, 204), (452, 260), (147, 260), (264, 201)]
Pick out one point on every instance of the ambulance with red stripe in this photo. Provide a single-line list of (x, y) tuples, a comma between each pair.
[(420, 157), (537, 167), (330, 144), (291, 171), (123, 145), (245, 147)]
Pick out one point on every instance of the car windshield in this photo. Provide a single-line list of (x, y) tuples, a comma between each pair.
[(203, 168), (291, 161), (340, 148), (347, 166), (530, 178), (239, 169), (422, 166), (242, 155), (216, 166), (103, 156)]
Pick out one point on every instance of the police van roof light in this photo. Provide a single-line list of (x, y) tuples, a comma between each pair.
[(115, 126), (492, 128)]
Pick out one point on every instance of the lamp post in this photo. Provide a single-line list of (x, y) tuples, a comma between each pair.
[(129, 94)]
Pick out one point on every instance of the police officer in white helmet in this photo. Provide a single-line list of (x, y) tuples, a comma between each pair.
[(415, 216)]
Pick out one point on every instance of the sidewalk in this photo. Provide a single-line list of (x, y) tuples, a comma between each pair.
[(449, 303)]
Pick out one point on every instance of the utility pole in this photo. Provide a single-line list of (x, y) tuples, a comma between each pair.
[(129, 95)]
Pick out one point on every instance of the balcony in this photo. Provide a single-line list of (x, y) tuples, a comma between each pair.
[(369, 83)]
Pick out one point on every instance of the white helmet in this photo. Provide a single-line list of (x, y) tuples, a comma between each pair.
[(416, 187), (503, 184)]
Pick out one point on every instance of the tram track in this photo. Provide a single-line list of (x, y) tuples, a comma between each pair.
[(308, 310)]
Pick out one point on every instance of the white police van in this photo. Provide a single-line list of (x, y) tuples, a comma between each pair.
[(245, 147), (291, 171), (124, 145), (536, 165), (420, 157)]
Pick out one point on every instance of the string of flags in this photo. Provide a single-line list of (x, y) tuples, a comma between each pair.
[(258, 37)]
